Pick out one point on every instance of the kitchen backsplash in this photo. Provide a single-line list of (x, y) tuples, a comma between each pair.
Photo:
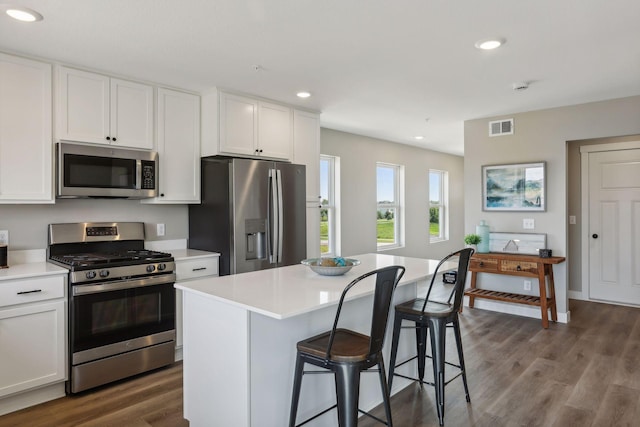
[(27, 224)]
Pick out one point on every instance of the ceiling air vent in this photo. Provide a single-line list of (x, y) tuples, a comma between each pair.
[(501, 127)]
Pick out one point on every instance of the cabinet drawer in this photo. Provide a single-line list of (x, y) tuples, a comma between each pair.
[(194, 268), (483, 265), (516, 266), (34, 289)]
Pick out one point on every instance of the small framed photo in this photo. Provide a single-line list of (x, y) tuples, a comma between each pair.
[(517, 187)]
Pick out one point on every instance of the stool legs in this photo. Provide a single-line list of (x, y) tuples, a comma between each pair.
[(347, 392), (421, 349), (456, 330), (386, 392), (438, 329), (297, 383)]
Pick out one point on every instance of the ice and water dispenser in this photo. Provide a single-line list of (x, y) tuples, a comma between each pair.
[(256, 234)]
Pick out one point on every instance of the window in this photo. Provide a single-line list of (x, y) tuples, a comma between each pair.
[(438, 198), (329, 213), (389, 219)]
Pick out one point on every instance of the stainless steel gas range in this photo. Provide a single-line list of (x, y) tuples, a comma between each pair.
[(121, 301)]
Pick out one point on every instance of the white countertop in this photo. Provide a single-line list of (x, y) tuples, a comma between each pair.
[(285, 292), (31, 269), (184, 254)]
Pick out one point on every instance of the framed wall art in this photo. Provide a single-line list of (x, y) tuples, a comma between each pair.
[(517, 187)]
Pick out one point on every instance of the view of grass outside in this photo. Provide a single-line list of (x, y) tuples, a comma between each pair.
[(434, 222), (386, 231), (324, 233)]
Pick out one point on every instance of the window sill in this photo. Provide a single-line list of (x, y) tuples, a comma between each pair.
[(389, 247)]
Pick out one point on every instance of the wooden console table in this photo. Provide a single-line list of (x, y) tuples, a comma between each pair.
[(516, 265)]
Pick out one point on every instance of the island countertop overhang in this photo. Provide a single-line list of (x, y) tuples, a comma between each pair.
[(285, 292)]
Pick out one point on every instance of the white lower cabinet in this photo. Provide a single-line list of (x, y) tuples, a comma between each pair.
[(32, 338), (190, 269)]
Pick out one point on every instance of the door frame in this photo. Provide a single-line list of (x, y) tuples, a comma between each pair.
[(584, 196)]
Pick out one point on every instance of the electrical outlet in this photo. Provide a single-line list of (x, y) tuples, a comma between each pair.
[(160, 229), (527, 285), (4, 237), (528, 223), (572, 219)]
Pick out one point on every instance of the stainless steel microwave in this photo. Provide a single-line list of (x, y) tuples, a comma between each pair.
[(106, 172)]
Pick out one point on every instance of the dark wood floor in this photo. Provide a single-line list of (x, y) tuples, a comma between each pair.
[(586, 373)]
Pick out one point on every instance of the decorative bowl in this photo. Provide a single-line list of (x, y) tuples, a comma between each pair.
[(315, 264)]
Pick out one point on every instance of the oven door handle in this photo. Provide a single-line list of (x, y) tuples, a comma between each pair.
[(94, 288)]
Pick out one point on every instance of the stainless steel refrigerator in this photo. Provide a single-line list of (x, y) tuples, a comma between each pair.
[(252, 212)]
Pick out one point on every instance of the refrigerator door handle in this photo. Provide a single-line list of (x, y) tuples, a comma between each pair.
[(273, 220), (280, 215)]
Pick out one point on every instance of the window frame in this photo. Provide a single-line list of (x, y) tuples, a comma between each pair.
[(332, 208), (442, 206), (397, 206)]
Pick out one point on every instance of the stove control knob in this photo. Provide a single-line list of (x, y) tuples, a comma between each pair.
[(104, 273), (162, 267), (91, 274), (151, 268)]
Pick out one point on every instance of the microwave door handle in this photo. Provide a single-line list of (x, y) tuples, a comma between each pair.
[(138, 174)]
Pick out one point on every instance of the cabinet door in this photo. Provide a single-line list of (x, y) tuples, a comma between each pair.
[(83, 106), (238, 125), (131, 114), (25, 131), (306, 150), (32, 346), (178, 146), (274, 131)]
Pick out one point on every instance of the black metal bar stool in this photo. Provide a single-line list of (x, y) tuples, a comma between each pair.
[(434, 316), (347, 353)]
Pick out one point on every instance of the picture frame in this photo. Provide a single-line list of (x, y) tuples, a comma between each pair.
[(514, 187)]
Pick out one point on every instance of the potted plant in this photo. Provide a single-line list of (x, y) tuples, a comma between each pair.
[(472, 240)]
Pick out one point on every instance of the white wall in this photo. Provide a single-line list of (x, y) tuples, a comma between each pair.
[(27, 224), (540, 136), (358, 156)]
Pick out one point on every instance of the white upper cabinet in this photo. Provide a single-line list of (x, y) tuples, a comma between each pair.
[(102, 110), (306, 150), (178, 146), (274, 130), (238, 125), (25, 131)]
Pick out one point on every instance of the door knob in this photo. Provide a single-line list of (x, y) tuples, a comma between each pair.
[(595, 236)]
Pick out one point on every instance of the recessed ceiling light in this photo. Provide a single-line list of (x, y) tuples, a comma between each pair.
[(418, 137), (303, 94), (488, 44), (23, 14)]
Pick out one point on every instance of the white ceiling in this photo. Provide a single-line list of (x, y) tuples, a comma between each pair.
[(375, 67)]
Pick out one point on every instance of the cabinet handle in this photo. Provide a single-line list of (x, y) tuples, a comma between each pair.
[(35, 291), (108, 138), (114, 138), (481, 263), (261, 151), (199, 269), (161, 194), (518, 268)]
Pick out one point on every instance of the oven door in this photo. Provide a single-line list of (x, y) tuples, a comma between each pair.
[(120, 316)]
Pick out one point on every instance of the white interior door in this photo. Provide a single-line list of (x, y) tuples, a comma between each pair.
[(614, 226)]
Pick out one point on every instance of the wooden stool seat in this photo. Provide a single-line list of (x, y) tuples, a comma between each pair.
[(432, 308), (348, 346)]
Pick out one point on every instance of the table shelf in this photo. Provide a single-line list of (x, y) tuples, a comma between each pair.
[(522, 265)]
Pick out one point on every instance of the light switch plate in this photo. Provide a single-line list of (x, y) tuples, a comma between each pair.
[(4, 237), (528, 224), (572, 219), (160, 230)]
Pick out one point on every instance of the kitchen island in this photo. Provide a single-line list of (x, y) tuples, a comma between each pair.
[(240, 333)]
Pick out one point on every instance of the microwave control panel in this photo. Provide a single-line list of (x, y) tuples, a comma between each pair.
[(148, 175)]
